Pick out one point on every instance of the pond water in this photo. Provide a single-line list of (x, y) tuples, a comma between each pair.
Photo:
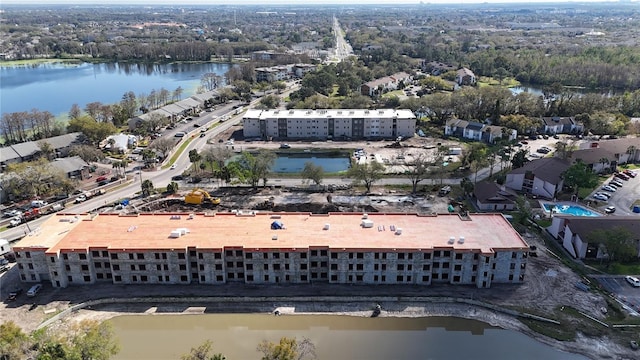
[(335, 337), (294, 162), (54, 87)]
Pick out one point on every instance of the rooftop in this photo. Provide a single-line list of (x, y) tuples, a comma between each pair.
[(547, 169), (329, 113), (484, 232)]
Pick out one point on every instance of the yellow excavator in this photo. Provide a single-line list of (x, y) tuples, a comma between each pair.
[(199, 196)]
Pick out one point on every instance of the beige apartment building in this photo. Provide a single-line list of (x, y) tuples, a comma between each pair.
[(271, 248), (329, 124)]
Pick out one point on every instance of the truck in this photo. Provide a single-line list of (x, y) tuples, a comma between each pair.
[(31, 214), (4, 247)]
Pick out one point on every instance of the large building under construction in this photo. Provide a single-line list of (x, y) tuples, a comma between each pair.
[(270, 248), (329, 124)]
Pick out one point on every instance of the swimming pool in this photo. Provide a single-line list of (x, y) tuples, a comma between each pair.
[(568, 209)]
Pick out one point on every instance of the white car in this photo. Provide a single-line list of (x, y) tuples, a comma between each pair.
[(12, 213), (609, 188), (15, 221), (173, 167), (600, 197), (634, 281), (607, 195), (80, 199)]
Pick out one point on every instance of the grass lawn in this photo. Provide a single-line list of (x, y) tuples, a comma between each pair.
[(177, 153), (393, 93), (615, 268), (489, 81), (37, 61)]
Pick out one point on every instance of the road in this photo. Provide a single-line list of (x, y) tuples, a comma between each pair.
[(343, 49)]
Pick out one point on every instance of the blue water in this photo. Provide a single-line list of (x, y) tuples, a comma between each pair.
[(574, 210), (54, 87), (294, 163)]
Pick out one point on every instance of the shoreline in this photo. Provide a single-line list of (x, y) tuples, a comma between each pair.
[(590, 348)]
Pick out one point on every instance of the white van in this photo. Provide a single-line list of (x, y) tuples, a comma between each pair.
[(34, 290), (38, 203)]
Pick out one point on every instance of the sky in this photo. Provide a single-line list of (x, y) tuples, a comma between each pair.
[(289, 2)]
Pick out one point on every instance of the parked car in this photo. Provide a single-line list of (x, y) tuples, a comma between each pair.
[(600, 197), (177, 178), (101, 178), (616, 182), (609, 188), (555, 136), (610, 209), (33, 291), (615, 185), (634, 281), (285, 146), (607, 195), (196, 125), (630, 173), (12, 213), (621, 176), (13, 294)]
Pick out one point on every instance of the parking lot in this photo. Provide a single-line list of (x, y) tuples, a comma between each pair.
[(626, 294), (622, 199)]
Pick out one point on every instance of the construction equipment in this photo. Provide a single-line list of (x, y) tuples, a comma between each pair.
[(199, 196)]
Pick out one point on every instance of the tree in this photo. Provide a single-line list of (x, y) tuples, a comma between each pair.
[(46, 150), (13, 342), (367, 173), (417, 170), (93, 130), (618, 243), (147, 187), (93, 340), (287, 349), (477, 158), (524, 212), (519, 159), (312, 172), (163, 145), (211, 81), (172, 187), (194, 157), (203, 352), (579, 176), (75, 111), (467, 186), (631, 151), (250, 169), (603, 161), (270, 102)]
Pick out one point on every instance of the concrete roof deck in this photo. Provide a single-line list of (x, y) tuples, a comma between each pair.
[(145, 232)]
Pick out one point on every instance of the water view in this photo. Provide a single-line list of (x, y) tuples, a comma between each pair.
[(294, 163), (54, 87), (335, 337)]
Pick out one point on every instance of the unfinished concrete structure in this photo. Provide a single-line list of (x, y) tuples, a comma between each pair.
[(264, 248)]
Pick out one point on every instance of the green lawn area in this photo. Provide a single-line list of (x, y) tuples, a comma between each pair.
[(177, 153), (615, 268), (393, 93), (489, 81)]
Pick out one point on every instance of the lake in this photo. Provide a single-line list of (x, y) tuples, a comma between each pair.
[(54, 87), (335, 337)]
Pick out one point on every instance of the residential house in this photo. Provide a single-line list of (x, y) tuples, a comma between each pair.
[(30, 150), (177, 110), (120, 142), (598, 160), (435, 67), (385, 84), (573, 232), (477, 131), (542, 177), (493, 197), (561, 125), (465, 76), (74, 167), (625, 150), (273, 73)]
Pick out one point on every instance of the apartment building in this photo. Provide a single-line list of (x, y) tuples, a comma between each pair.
[(215, 249), (329, 124)]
